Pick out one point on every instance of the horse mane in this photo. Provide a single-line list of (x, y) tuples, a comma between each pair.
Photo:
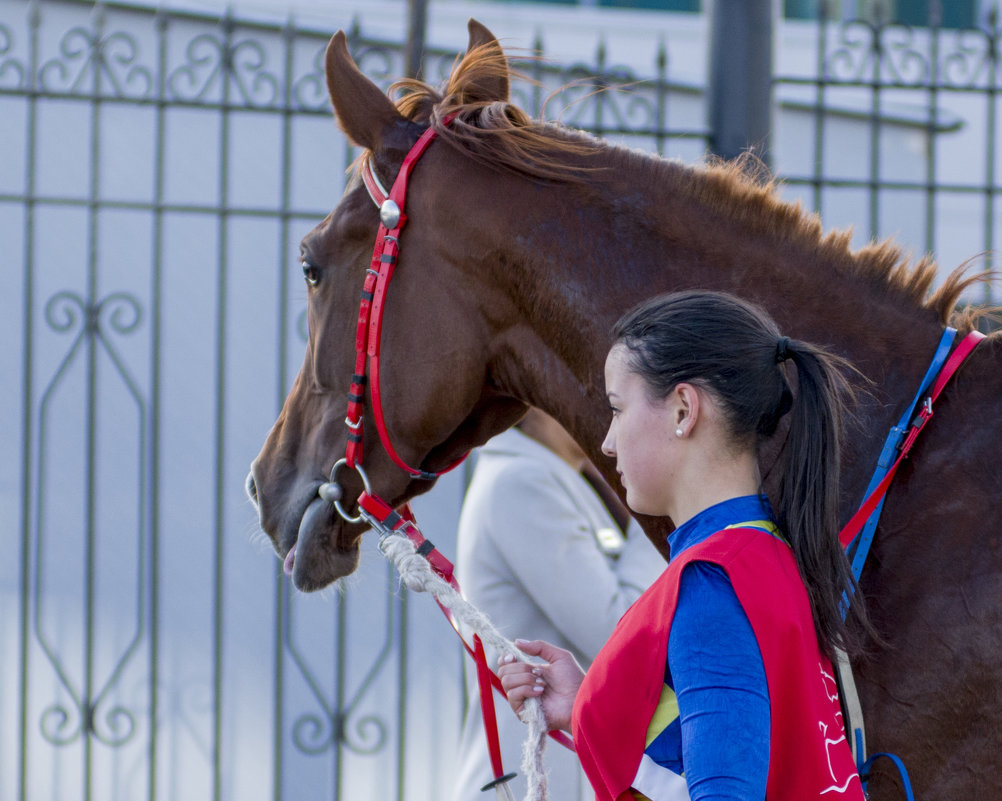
[(504, 137), (745, 191)]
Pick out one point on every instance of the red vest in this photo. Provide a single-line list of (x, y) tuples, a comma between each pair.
[(809, 755)]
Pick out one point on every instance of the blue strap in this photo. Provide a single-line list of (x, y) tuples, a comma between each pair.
[(906, 784), (860, 546), (865, 538)]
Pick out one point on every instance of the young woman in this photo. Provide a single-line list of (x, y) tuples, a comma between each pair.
[(718, 682)]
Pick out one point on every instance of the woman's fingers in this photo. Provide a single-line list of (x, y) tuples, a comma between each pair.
[(522, 677), (520, 680), (540, 648), (555, 682)]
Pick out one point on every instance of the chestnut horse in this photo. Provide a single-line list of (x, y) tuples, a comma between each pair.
[(524, 242)]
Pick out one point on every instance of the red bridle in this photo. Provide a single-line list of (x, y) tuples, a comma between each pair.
[(373, 509), (372, 306), (368, 336)]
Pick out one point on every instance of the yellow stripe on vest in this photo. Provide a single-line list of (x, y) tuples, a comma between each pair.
[(664, 715), (762, 525)]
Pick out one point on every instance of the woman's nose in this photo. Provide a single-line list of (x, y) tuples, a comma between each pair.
[(608, 446)]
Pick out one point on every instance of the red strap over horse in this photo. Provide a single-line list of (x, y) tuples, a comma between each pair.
[(957, 358)]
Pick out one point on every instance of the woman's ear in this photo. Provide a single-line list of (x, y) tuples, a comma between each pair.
[(686, 407)]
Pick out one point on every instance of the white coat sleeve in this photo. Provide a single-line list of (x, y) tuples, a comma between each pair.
[(640, 563), (550, 548)]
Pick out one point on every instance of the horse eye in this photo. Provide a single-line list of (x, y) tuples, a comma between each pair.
[(310, 273)]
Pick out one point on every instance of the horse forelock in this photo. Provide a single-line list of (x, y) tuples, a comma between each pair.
[(504, 137), (492, 130)]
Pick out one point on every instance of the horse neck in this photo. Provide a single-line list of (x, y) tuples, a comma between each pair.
[(630, 237)]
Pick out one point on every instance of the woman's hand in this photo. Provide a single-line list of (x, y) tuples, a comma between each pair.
[(555, 684)]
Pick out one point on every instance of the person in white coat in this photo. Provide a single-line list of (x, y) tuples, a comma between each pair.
[(541, 554)]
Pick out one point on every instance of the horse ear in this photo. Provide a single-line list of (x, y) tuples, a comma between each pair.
[(492, 85), (363, 110)]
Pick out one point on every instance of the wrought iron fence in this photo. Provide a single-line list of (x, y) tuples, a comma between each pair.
[(941, 84), (158, 171)]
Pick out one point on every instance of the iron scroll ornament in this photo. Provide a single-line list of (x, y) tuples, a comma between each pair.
[(62, 723)]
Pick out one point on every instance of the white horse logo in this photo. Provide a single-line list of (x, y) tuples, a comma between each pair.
[(831, 690)]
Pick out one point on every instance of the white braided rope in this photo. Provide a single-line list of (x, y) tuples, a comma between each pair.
[(417, 575)]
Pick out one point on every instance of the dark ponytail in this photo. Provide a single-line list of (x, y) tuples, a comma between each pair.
[(807, 508), (734, 350)]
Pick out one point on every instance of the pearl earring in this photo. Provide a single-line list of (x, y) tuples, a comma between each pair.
[(678, 432)]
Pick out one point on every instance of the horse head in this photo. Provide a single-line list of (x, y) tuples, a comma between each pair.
[(435, 339)]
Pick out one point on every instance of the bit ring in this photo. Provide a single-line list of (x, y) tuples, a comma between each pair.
[(337, 500)]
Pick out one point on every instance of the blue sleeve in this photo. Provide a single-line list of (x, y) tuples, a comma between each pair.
[(723, 699)]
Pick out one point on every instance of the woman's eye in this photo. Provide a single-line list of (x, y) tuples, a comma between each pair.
[(311, 273)]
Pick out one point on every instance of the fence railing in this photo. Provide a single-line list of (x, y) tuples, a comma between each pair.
[(943, 85), (158, 171)]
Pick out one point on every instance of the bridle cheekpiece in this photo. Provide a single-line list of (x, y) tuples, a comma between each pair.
[(368, 331)]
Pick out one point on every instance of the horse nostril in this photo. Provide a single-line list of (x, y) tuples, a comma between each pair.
[(251, 487)]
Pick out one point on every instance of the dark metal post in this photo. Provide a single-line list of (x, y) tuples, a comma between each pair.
[(417, 24), (739, 92)]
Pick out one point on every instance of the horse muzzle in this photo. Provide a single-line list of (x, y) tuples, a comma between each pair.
[(317, 538), (317, 558)]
